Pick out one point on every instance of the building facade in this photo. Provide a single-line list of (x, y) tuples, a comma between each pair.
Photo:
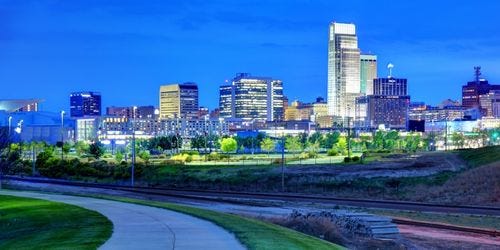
[(387, 106), (128, 112), (474, 89), (252, 98), (343, 70), (368, 72), (179, 101), (85, 104)]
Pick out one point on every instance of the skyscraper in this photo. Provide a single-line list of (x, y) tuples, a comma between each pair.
[(250, 97), (368, 72), (83, 104), (179, 101), (474, 89), (387, 106), (343, 71)]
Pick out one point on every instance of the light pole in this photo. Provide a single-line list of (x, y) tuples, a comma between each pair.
[(283, 163), (10, 125), (253, 147), (133, 147), (348, 131), (62, 134)]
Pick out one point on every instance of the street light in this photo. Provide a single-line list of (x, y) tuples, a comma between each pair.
[(62, 134), (10, 125), (133, 147)]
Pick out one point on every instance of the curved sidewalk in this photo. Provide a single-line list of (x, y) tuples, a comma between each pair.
[(143, 227)]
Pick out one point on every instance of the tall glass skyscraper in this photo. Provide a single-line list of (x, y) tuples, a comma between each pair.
[(252, 97), (343, 71), (368, 72)]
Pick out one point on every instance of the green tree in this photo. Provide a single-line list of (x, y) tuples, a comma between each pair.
[(119, 156), (458, 140), (144, 155), (228, 145), (293, 144), (267, 145), (329, 140), (81, 147), (96, 149), (341, 145)]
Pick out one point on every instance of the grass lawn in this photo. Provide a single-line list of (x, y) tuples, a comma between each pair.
[(27, 223), (481, 156), (252, 233)]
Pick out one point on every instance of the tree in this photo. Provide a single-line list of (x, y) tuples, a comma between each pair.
[(228, 145), (341, 145), (458, 140), (144, 155), (267, 145), (81, 147), (330, 139), (96, 149), (293, 144), (315, 137), (119, 156)]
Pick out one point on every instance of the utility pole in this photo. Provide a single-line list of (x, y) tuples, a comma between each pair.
[(283, 163), (133, 148)]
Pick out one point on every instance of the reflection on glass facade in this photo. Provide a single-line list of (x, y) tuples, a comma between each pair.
[(85, 104), (179, 101), (250, 97), (368, 72), (343, 70)]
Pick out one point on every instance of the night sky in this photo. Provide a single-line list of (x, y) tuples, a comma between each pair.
[(126, 49)]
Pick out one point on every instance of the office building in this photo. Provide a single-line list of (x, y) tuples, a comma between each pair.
[(252, 98), (388, 106), (19, 105), (472, 90), (344, 83), (179, 101), (368, 72), (85, 104), (490, 104), (128, 112)]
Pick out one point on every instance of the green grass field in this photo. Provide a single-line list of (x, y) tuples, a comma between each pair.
[(481, 156), (252, 233), (27, 223)]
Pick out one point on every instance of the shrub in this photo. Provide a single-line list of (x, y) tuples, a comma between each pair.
[(347, 159), (304, 155), (355, 158), (332, 152), (312, 154)]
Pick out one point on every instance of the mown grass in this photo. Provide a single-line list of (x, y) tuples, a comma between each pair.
[(27, 223), (481, 156), (252, 233)]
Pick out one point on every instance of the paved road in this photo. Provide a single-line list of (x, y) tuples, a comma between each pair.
[(143, 227)]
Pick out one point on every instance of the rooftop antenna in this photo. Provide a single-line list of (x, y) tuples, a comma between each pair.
[(477, 73), (389, 67)]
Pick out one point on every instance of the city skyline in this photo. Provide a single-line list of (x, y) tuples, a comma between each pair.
[(129, 52)]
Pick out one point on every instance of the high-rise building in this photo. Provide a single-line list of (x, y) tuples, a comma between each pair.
[(490, 104), (368, 72), (128, 112), (343, 71), (250, 97), (472, 90), (387, 106), (179, 101), (85, 104)]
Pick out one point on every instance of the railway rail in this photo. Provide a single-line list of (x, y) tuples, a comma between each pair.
[(237, 197)]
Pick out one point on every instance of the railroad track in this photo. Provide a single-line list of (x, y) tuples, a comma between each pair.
[(218, 195), (236, 197)]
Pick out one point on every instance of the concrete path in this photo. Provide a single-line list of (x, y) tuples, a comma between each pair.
[(143, 227)]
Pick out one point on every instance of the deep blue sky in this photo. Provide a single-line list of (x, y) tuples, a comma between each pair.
[(126, 49)]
